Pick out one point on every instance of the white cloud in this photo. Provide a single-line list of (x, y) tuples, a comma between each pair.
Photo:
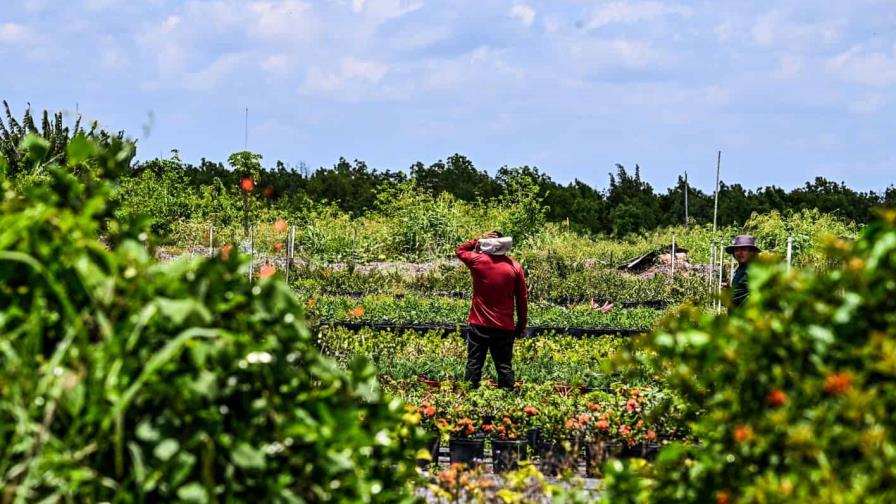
[(789, 65), (524, 13), (724, 32), (209, 77), (278, 20), (870, 68), (600, 53), (775, 29), (352, 76), (275, 63), (867, 104), (13, 33), (97, 5), (633, 12)]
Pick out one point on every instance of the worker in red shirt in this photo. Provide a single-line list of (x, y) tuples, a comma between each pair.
[(498, 282)]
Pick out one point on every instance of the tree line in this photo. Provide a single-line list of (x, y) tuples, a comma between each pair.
[(628, 205)]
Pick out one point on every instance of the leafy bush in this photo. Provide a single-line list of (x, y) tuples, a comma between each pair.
[(124, 380), (792, 395)]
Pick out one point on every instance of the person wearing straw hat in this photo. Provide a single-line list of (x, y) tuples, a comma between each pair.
[(498, 285), (744, 249)]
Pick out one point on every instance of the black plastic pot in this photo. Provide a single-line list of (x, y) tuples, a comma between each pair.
[(532, 436), (433, 447), (506, 454), (595, 456), (469, 451), (558, 456)]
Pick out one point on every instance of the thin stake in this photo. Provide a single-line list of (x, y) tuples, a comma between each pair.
[(211, 239), (686, 190), (715, 212), (673, 258), (251, 253), (719, 299), (789, 248)]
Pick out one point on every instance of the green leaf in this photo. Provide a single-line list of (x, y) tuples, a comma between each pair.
[(193, 492), (146, 432), (35, 147), (79, 150), (247, 457), (177, 310), (166, 449)]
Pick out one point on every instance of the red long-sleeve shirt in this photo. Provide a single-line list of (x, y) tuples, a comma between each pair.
[(498, 281)]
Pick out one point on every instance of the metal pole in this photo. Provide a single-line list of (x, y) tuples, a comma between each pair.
[(719, 298), (789, 248), (715, 212), (686, 190), (673, 258), (251, 253)]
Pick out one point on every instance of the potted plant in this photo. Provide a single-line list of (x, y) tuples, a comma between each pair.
[(508, 443)]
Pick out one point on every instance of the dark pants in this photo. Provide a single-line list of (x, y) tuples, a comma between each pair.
[(481, 341)]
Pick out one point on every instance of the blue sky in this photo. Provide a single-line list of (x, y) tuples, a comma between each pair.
[(788, 90)]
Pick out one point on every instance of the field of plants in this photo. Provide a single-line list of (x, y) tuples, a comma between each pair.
[(313, 356)]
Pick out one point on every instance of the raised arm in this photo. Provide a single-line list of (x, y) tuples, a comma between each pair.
[(522, 302), (465, 250)]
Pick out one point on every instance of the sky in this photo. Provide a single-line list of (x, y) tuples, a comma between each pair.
[(788, 90)]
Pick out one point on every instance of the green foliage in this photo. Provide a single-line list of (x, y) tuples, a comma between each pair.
[(58, 142), (123, 380), (408, 355), (793, 395)]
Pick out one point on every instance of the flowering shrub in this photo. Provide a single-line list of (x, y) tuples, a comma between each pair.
[(792, 395), (122, 380)]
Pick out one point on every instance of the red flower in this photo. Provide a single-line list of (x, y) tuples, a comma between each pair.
[(487, 427), (722, 497), (428, 410), (502, 429), (776, 397), (246, 184), (225, 252), (743, 433), (651, 435), (837, 383), (625, 430), (280, 226), (593, 406), (602, 425), (266, 271), (529, 410), (631, 405)]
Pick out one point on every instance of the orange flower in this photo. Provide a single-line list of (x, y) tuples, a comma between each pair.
[(280, 226), (246, 184), (743, 433), (529, 410), (487, 427), (357, 312), (602, 425), (722, 497), (266, 271), (225, 252), (593, 406), (776, 397), (651, 435), (631, 405), (837, 383), (311, 303), (278, 247)]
